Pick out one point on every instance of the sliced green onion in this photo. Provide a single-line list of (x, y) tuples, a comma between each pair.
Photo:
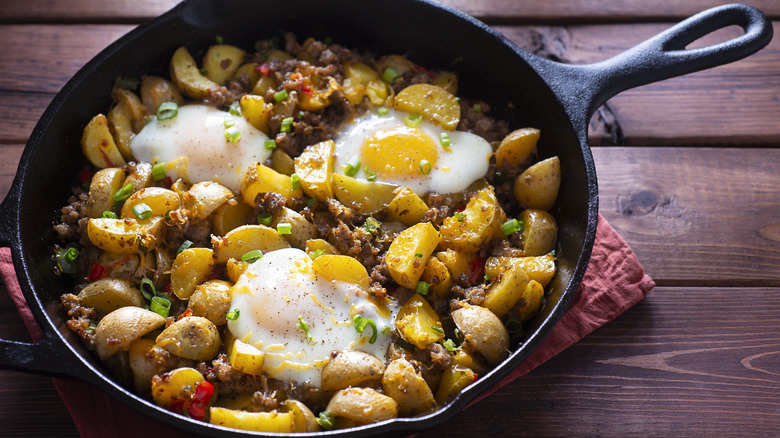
[(168, 216), (232, 134), (418, 255), (514, 326), (326, 420), (71, 255), (123, 193), (147, 289), (317, 253), (422, 287), (270, 144), (310, 202), (382, 111), (284, 228), (444, 137), (488, 277), (300, 115), (371, 174), (219, 39), (371, 225), (459, 216), (437, 329), (457, 333), (295, 180), (160, 306), (252, 256), (360, 325), (281, 95), (449, 344), (108, 214), (233, 315), (264, 219), (235, 108), (413, 120), (92, 327), (287, 124), (390, 75), (142, 211), (477, 108), (229, 123), (66, 260), (167, 110), (305, 327), (203, 72), (511, 226), (425, 167), (353, 166), (158, 171), (184, 245)]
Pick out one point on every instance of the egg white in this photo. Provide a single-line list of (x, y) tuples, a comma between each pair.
[(279, 290), (463, 162), (194, 147)]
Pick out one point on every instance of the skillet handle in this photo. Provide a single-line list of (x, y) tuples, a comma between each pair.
[(664, 56)]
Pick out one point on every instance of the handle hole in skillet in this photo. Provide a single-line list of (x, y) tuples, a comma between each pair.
[(716, 37)]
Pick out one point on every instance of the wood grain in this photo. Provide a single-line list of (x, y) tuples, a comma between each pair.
[(687, 110), (487, 10)]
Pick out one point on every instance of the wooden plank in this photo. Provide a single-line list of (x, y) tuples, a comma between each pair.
[(488, 10), (687, 110), (11, 154), (696, 216)]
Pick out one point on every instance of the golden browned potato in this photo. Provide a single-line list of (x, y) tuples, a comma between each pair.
[(190, 268), (530, 302), (120, 123), (256, 111), (438, 277), (158, 199), (455, 379), (142, 365), (407, 387), (360, 81), (362, 405), (104, 184), (314, 168), (314, 245), (517, 148), (301, 230), (246, 358), (447, 80), (540, 269), (204, 197), (539, 232), (109, 294), (211, 300), (117, 330), (221, 61), (407, 207), (246, 238), (186, 75), (506, 289), (479, 222), (341, 268), (483, 332), (417, 323), (398, 63), (282, 163), (365, 197), (231, 215), (434, 103), (129, 100), (537, 187), (235, 268), (192, 337), (303, 418), (175, 384), (408, 254), (457, 262), (469, 360), (274, 421), (125, 236), (156, 91), (259, 178), (140, 176), (351, 368), (250, 70), (98, 144)]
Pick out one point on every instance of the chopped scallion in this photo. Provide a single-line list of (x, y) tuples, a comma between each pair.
[(317, 253), (326, 420), (287, 124), (123, 193), (390, 74), (444, 137), (425, 167), (284, 228), (371, 225), (147, 289), (477, 108), (232, 134), (437, 329), (418, 255), (233, 314), (360, 323), (167, 110), (371, 174), (160, 306), (158, 171), (382, 111), (449, 344), (413, 120), (305, 327), (252, 256), (219, 39), (422, 287), (281, 95), (264, 219), (128, 83), (311, 202), (511, 226), (353, 166), (514, 326), (270, 144), (459, 216), (185, 245), (295, 180), (229, 122), (235, 108), (108, 214), (142, 211)]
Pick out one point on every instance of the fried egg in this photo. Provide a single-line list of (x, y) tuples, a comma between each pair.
[(194, 147), (389, 147), (298, 318)]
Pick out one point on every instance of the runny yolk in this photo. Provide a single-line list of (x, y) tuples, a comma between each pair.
[(397, 152)]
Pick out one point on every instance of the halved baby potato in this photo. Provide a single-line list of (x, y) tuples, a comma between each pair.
[(244, 239), (98, 144), (221, 62), (434, 103), (186, 75), (117, 330)]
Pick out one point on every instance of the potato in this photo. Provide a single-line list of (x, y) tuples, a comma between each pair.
[(518, 148), (318, 98), (434, 103), (477, 224), (506, 289), (104, 184), (362, 405), (109, 294), (351, 368), (190, 268), (539, 232), (530, 302), (277, 55), (142, 365), (365, 197), (119, 265), (398, 63), (447, 80), (156, 91), (120, 123), (408, 254), (129, 99), (483, 332), (231, 215), (192, 337), (540, 269), (117, 330), (457, 262), (303, 418), (360, 81), (175, 384), (140, 176), (537, 187), (407, 387), (301, 229), (187, 77), (417, 323), (313, 245), (438, 277), (341, 268), (314, 168), (274, 421), (249, 69), (455, 379), (158, 199), (125, 236), (211, 300), (203, 198), (407, 207), (256, 111), (281, 162), (263, 84), (244, 239), (98, 144), (261, 179), (469, 360), (221, 61), (246, 358)]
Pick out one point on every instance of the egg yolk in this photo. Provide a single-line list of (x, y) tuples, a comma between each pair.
[(397, 152)]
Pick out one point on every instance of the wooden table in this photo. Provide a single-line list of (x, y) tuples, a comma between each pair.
[(689, 175)]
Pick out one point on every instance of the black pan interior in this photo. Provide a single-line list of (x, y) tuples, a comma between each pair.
[(489, 69)]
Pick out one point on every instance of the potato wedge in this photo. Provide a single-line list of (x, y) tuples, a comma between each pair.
[(438, 277), (398, 63), (205, 197), (231, 215), (140, 176), (117, 330), (221, 62), (156, 91), (409, 253), (192, 337), (540, 232), (250, 70), (540, 269), (186, 75), (407, 387), (303, 418), (479, 222), (518, 148), (244, 239), (175, 384), (246, 358), (282, 163), (365, 197), (256, 111), (537, 187), (235, 268), (120, 123), (351, 368), (274, 421), (314, 245), (455, 379), (261, 179), (361, 80), (158, 199), (190, 268), (447, 80), (407, 207), (418, 323), (211, 300), (142, 365), (362, 405), (341, 268), (109, 294), (483, 332), (434, 103), (315, 167), (301, 230), (98, 144), (104, 184), (506, 289), (125, 236), (530, 302)]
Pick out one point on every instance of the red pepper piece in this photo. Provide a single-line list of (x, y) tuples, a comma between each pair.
[(263, 69), (97, 272), (476, 270), (85, 175)]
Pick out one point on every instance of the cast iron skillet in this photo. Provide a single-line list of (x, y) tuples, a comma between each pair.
[(523, 88)]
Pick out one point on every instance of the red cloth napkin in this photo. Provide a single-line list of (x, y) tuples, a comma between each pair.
[(613, 282)]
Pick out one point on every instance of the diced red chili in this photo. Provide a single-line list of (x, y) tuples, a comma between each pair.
[(85, 175), (97, 272), (263, 69), (476, 270), (203, 392), (307, 90), (177, 405)]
